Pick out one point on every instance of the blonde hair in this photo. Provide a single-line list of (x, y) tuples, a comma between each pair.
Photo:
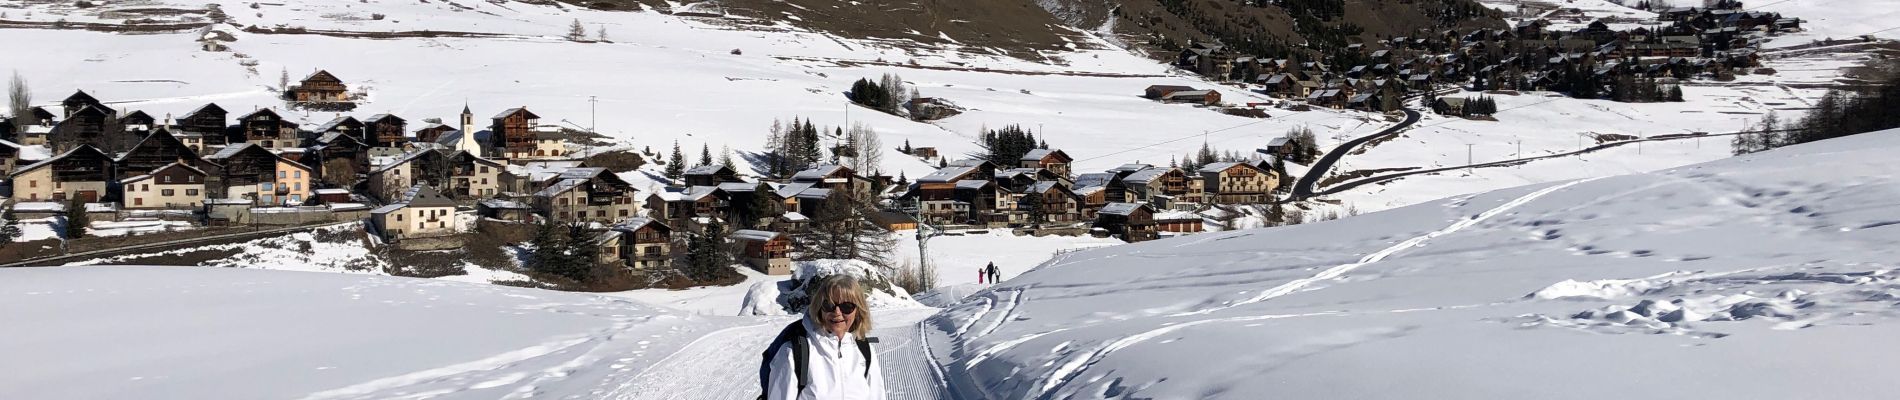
[(842, 288)]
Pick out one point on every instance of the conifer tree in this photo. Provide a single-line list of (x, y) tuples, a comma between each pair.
[(676, 165)]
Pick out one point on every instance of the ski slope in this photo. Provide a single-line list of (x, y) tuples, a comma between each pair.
[(1672, 284)]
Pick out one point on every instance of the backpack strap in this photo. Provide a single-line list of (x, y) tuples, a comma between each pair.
[(864, 349), (801, 353)]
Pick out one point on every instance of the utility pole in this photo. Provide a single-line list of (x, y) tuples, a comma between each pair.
[(923, 239), (591, 105), (1520, 153), (1468, 147)]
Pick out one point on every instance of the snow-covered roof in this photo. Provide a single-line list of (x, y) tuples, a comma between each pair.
[(1038, 154), (754, 235), (704, 170), (738, 186), (968, 162), (333, 191), (388, 208), (972, 184), (1142, 177), (1043, 186), (792, 189), (1085, 191), (1131, 167), (1219, 166), (1120, 208), (502, 204), (794, 216), (582, 173), (815, 193), (1176, 215), (425, 196), (816, 172), (334, 122), (39, 206), (947, 174), (559, 187), (635, 223), (1094, 179)]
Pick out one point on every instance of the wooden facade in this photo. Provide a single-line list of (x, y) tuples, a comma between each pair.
[(384, 130), (433, 133), (512, 133), (265, 128), (645, 243), (1132, 222), (158, 150), (321, 87), (208, 121), (1237, 183), (84, 126)]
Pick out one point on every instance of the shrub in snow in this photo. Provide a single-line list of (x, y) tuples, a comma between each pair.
[(789, 297)]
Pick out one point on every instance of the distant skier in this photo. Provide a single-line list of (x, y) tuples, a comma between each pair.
[(813, 359)]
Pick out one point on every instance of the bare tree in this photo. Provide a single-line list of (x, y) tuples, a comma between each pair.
[(867, 149), (20, 99)]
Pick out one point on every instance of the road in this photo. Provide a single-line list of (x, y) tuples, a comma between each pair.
[(1349, 185), (1304, 187), (160, 246)]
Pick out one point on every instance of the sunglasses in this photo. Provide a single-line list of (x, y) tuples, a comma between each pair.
[(845, 308)]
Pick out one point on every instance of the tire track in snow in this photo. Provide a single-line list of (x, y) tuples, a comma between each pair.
[(1015, 298), (1069, 370)]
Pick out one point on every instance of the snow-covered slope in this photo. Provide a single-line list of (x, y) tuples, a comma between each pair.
[(1765, 276), (165, 332)]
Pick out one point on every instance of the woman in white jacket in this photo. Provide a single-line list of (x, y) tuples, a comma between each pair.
[(839, 363)]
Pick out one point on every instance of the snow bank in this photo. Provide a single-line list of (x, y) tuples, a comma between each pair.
[(789, 296), (1786, 255), (181, 332)]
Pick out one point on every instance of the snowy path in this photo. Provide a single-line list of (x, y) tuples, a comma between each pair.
[(724, 364)]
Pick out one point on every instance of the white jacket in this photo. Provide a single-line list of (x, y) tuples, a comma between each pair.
[(836, 368)]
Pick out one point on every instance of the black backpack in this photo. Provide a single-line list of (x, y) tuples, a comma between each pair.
[(801, 351)]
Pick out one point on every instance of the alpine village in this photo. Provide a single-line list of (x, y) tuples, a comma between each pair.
[(487, 178)]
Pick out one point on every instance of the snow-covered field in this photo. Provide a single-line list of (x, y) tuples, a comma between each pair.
[(1683, 283)]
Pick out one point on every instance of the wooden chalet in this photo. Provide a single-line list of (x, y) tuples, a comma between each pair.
[(587, 195), (838, 178), (710, 175), (9, 154), (265, 128), (1203, 97), (1053, 160), (460, 175), (1178, 222), (340, 159), (79, 100), (137, 121), (1130, 222), (207, 121), (84, 126), (1161, 186), (1237, 183), (344, 125), (320, 87), (1156, 92), (512, 133), (644, 244), (768, 252), (1057, 202), (82, 173), (384, 130), (251, 172), (173, 186), (433, 133), (505, 210), (158, 150)]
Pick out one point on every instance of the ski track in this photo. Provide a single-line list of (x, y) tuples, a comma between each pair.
[(988, 304), (1015, 298), (695, 369), (1068, 371)]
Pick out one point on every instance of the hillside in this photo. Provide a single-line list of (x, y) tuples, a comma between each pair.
[(1672, 284)]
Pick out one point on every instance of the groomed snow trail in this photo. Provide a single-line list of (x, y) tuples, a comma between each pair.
[(1073, 368), (725, 364)]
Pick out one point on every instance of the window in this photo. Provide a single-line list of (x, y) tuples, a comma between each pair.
[(296, 174), (192, 179), (280, 175), (561, 201), (398, 217), (295, 199), (267, 186), (296, 186), (166, 179), (600, 213), (32, 183), (166, 192), (563, 215), (145, 187), (484, 170), (191, 192), (623, 213), (138, 201)]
